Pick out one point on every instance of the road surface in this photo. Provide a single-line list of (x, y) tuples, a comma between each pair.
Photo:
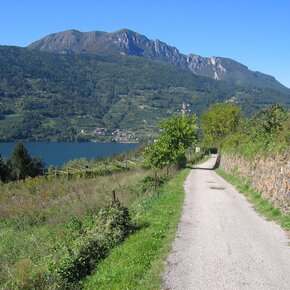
[(222, 243)]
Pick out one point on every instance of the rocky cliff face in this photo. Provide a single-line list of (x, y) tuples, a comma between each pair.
[(127, 42), (211, 67)]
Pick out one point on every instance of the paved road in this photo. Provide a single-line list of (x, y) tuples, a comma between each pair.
[(222, 243)]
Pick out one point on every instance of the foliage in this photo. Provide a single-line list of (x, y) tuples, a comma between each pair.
[(264, 133), (267, 127), (21, 165), (177, 134), (37, 166), (84, 244), (21, 161), (101, 232), (4, 170), (218, 122)]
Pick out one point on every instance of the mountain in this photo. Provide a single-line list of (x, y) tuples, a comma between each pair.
[(47, 96), (98, 86), (63, 97), (127, 42)]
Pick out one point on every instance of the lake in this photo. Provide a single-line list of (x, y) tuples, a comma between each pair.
[(58, 153)]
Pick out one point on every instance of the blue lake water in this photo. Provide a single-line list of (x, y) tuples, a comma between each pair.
[(57, 153)]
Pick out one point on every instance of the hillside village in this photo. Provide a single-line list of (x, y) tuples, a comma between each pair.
[(117, 135)]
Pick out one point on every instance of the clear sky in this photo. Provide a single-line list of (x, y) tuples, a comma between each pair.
[(253, 32)]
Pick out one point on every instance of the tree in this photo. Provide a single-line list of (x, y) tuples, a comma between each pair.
[(37, 167), (21, 161), (23, 165), (4, 170), (269, 121), (267, 130), (177, 134), (218, 122)]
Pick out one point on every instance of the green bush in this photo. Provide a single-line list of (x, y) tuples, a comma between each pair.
[(82, 246), (89, 243), (265, 133)]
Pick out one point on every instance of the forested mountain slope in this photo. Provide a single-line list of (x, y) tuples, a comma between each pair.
[(48, 96)]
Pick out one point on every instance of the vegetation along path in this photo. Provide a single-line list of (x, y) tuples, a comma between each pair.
[(222, 243)]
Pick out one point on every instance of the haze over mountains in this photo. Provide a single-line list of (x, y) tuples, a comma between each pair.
[(127, 42), (66, 85)]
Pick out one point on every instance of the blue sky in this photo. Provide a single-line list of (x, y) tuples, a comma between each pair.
[(253, 32)]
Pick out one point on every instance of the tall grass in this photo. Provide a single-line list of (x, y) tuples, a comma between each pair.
[(35, 214), (52, 226), (50, 201), (139, 262)]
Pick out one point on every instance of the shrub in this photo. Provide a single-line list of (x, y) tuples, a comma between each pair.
[(264, 133), (88, 244)]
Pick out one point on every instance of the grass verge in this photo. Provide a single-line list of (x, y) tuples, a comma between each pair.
[(139, 262), (262, 205)]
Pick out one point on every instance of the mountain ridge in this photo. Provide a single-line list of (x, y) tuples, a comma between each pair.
[(128, 42)]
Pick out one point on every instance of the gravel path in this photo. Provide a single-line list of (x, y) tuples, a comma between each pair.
[(222, 243)]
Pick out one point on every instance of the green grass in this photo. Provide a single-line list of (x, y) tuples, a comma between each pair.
[(35, 212), (40, 218), (139, 262), (262, 205)]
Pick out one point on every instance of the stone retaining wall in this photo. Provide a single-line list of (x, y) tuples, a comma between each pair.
[(270, 176)]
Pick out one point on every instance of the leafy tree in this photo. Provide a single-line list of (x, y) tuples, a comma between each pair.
[(266, 132), (177, 134), (21, 161), (270, 120), (218, 122)]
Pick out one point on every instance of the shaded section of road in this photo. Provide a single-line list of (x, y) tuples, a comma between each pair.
[(222, 243)]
